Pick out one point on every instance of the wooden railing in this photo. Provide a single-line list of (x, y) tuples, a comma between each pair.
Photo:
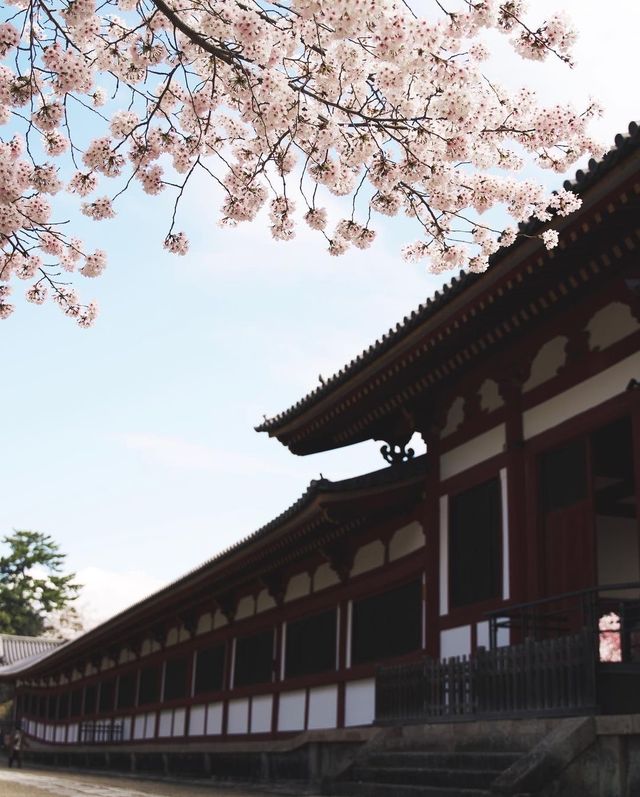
[(100, 732), (547, 677), (559, 615)]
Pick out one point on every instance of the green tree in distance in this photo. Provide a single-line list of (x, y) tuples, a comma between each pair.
[(32, 584)]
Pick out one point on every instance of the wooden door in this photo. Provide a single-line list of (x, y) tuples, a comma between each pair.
[(569, 543), (568, 532)]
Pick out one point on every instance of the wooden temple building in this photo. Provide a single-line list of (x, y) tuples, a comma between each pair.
[(469, 581)]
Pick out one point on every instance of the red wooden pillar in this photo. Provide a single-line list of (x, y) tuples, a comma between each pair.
[(277, 671), (635, 431), (228, 609), (431, 523), (342, 660)]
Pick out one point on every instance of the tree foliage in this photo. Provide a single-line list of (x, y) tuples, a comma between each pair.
[(281, 104), (32, 584)]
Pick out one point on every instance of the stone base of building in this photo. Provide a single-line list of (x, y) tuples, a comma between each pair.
[(592, 756), (304, 759)]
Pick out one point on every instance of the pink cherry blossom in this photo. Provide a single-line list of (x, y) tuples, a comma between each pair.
[(283, 106)]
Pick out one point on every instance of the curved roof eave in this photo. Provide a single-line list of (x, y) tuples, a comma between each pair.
[(308, 501), (624, 145)]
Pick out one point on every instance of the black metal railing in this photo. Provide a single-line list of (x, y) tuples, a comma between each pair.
[(100, 732), (552, 676), (607, 611)]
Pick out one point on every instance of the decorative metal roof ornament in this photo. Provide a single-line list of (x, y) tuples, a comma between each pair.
[(397, 453)]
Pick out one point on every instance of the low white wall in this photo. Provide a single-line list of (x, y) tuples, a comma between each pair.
[(360, 702), (291, 710), (323, 707), (455, 641)]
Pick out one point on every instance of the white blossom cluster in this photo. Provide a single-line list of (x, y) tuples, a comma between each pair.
[(371, 99)]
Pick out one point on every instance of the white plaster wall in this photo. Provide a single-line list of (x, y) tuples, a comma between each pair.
[(138, 727), (145, 648), (179, 717), (60, 733), (40, 728), (444, 555), (550, 358), (172, 637), (298, 586), (107, 664), (264, 602), (585, 395), (197, 719), (618, 558), (455, 416), (323, 707), (490, 398), (246, 607), (482, 636), (455, 641), (368, 557), (150, 725), (325, 576), (238, 717), (360, 702), (72, 735), (214, 718), (126, 729), (506, 584), (291, 710), (473, 452), (164, 726), (183, 634), (219, 620), (261, 708), (406, 540), (205, 623), (611, 324)]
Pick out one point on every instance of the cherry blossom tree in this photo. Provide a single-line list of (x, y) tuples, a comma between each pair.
[(610, 647), (281, 104)]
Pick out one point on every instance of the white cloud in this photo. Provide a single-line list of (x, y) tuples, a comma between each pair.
[(108, 592)]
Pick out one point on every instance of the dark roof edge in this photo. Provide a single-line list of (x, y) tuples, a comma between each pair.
[(388, 476), (624, 146)]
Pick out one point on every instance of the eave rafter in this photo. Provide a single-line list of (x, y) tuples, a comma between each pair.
[(576, 244), (333, 515)]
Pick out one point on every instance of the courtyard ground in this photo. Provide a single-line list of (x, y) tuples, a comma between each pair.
[(50, 783)]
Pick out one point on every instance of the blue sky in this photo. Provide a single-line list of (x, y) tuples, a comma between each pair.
[(132, 443)]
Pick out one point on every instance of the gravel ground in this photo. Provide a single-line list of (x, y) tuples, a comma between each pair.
[(40, 783)]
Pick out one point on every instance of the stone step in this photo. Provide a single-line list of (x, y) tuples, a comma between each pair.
[(364, 789), (442, 760), (421, 776)]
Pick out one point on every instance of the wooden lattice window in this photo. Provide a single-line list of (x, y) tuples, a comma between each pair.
[(475, 547), (254, 659), (386, 625), (175, 678), (149, 691), (127, 690), (311, 645), (209, 669)]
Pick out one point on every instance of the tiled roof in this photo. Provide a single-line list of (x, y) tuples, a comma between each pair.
[(385, 477), (624, 145), (15, 648)]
